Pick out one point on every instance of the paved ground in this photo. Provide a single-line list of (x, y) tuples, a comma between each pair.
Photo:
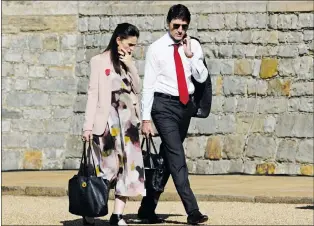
[(284, 189), (26, 210)]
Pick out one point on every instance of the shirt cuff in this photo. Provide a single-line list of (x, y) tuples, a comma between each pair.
[(146, 116)]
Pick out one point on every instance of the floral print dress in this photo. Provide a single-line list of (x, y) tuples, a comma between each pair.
[(117, 152)]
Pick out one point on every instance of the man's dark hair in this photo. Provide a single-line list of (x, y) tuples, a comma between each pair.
[(179, 11), (124, 31)]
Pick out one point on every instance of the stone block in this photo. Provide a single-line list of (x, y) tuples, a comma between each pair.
[(221, 166), (54, 85), (14, 140), (266, 168), (21, 84), (37, 71), (216, 21), (214, 66), (51, 58), (269, 124), (104, 24), (36, 113), (290, 37), (13, 55), (203, 22), (217, 104), (233, 85), (30, 57), (307, 170), (11, 114), (35, 42), (93, 23), (204, 126), (62, 100), (69, 41), (273, 20), (306, 105), (230, 105), (227, 67), (273, 105), (27, 99), (74, 147), (308, 35), (306, 68), (46, 141), (286, 168), (52, 164), (286, 151), (295, 125), (217, 82), (82, 86), (43, 24), (305, 152), (268, 68), (290, 6), (6, 126), (265, 37), (191, 166), (243, 67), (62, 113), (11, 160), (261, 146), (226, 124), (60, 72), (225, 51), (302, 89), (306, 20), (204, 167), (7, 69), (32, 160), (289, 67), (246, 123), (250, 166), (246, 37), (195, 147), (58, 126), (236, 166), (76, 127), (20, 70), (51, 42), (288, 50), (234, 37), (277, 87), (233, 146), (30, 125), (247, 104), (258, 87), (287, 21), (214, 148), (72, 163), (83, 24), (230, 21)]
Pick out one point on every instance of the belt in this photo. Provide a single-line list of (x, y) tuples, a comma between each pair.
[(167, 96)]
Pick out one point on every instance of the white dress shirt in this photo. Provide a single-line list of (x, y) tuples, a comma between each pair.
[(160, 71)]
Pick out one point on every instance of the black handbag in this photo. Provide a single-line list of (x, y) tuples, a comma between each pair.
[(154, 166), (88, 194), (202, 95)]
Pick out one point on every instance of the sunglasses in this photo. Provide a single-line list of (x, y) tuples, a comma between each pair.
[(184, 26)]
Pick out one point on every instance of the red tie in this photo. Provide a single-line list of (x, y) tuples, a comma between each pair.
[(183, 89)]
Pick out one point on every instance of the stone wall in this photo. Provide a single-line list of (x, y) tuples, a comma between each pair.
[(259, 54)]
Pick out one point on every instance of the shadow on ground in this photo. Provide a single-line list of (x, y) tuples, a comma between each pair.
[(305, 207), (130, 218)]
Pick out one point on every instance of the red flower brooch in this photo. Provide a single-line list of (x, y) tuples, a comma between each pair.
[(107, 72)]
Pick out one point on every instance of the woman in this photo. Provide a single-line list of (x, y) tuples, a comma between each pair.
[(112, 119)]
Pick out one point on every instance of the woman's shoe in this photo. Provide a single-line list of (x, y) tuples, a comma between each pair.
[(117, 219), (88, 222)]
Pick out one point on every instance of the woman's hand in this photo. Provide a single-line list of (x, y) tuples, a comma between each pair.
[(126, 58), (87, 135)]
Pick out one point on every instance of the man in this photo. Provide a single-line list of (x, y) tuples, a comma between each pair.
[(167, 99)]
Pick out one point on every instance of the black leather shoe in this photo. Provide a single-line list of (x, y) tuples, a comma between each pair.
[(197, 218), (86, 223), (151, 218), (115, 218)]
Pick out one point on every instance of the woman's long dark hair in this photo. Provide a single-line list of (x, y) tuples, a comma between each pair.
[(123, 31)]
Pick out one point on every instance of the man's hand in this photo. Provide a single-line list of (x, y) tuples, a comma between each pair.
[(187, 47), (147, 128), (126, 58)]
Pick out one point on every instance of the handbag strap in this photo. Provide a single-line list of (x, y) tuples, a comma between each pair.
[(151, 141), (83, 166)]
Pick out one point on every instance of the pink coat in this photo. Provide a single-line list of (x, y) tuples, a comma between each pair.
[(99, 93)]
